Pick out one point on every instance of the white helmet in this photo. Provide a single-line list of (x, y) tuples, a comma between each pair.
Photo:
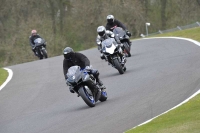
[(110, 18), (101, 30)]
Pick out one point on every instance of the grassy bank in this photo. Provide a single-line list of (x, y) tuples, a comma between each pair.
[(193, 33), (184, 119), (3, 75)]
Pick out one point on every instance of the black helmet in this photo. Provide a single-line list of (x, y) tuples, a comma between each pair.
[(110, 19), (67, 52), (101, 30)]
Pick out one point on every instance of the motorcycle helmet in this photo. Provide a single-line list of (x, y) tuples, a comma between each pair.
[(110, 19), (67, 52), (33, 32), (101, 30)]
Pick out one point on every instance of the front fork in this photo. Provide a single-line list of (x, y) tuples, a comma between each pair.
[(94, 90)]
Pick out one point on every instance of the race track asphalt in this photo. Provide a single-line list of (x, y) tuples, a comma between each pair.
[(160, 74)]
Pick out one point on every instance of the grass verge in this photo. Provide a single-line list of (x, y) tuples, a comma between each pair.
[(3, 75), (193, 33), (184, 119)]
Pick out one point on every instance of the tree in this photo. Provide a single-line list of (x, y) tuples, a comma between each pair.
[(163, 13)]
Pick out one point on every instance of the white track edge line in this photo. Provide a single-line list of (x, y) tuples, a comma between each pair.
[(187, 39), (196, 93), (10, 75)]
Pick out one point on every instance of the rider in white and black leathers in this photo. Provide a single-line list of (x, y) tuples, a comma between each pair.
[(105, 34), (113, 23), (72, 58)]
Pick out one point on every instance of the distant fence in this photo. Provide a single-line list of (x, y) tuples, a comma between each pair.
[(197, 24)]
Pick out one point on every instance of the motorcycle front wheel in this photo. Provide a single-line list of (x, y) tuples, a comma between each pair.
[(118, 65), (44, 53), (87, 97), (40, 56)]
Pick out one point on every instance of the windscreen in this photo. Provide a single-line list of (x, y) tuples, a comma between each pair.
[(119, 32), (108, 42), (74, 74), (38, 40), (72, 71)]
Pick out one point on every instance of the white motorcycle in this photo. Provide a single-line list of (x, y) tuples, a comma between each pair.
[(114, 54)]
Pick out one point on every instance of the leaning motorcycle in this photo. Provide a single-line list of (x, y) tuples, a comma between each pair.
[(85, 85), (113, 53), (124, 39), (40, 48)]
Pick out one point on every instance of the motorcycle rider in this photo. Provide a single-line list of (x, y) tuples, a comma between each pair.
[(34, 36), (113, 23), (72, 58), (105, 34)]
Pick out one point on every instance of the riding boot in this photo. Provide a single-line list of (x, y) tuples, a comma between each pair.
[(102, 56), (35, 54), (34, 51), (71, 90), (100, 84)]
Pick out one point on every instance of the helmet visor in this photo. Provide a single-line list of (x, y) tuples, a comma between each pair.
[(102, 33), (110, 21), (68, 55)]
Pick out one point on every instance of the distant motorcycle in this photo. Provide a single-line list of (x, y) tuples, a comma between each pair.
[(85, 85), (124, 39), (40, 49), (112, 52)]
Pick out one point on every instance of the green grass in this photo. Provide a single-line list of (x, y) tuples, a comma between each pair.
[(184, 119), (3, 75), (193, 33)]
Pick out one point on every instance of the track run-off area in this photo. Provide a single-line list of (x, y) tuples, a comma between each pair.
[(161, 74)]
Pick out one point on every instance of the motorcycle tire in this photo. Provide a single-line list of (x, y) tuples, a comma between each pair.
[(127, 49), (39, 54), (124, 68), (44, 53), (118, 66), (89, 100)]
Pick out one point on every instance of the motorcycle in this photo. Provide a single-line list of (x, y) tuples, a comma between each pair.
[(112, 51), (124, 39), (40, 49), (85, 85)]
